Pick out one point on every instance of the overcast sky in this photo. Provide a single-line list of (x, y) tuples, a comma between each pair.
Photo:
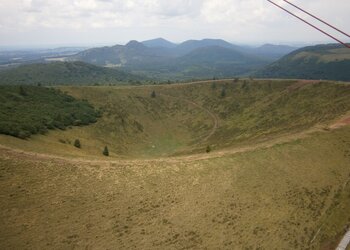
[(91, 22)]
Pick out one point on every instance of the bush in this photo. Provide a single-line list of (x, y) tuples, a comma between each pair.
[(223, 93), (77, 143), (208, 149), (105, 151), (153, 95)]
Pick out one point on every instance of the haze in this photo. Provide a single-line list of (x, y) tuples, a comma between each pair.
[(78, 22)]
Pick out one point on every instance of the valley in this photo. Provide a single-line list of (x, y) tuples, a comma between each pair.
[(276, 177)]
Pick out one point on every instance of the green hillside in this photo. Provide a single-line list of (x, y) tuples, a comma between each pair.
[(276, 176), (183, 119), (64, 73), (327, 62)]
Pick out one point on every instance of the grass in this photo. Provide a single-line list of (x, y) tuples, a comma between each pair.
[(180, 118), (274, 198), (291, 194)]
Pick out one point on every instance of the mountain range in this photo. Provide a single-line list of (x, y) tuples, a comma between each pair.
[(160, 58)]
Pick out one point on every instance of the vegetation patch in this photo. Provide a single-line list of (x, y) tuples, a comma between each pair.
[(29, 110)]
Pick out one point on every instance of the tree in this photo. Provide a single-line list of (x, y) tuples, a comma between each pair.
[(153, 95), (77, 143), (208, 149), (223, 92), (105, 151)]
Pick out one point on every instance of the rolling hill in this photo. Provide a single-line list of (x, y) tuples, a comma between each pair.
[(64, 73), (162, 59), (191, 45), (329, 62), (276, 175)]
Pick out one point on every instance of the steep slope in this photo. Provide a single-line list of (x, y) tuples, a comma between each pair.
[(64, 73), (330, 62), (182, 119)]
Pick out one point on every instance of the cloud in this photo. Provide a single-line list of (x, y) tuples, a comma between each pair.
[(239, 20)]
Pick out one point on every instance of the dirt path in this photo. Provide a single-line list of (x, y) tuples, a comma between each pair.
[(344, 242), (343, 121), (171, 160), (211, 114)]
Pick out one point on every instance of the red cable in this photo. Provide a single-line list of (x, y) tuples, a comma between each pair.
[(346, 45), (319, 19)]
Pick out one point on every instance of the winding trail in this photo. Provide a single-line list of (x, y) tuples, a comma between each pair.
[(18, 153)]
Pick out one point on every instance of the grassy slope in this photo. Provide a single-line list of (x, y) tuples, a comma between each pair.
[(330, 62), (64, 73), (275, 198), (272, 198), (136, 125), (133, 124)]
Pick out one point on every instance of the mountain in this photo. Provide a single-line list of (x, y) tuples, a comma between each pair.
[(132, 54), (218, 61), (164, 60), (191, 45), (273, 51), (329, 62), (159, 42), (64, 73)]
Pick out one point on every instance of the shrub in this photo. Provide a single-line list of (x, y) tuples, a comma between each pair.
[(208, 149), (223, 93), (105, 151), (77, 143), (153, 95)]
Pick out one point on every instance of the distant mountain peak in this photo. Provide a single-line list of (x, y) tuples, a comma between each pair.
[(134, 44), (159, 42)]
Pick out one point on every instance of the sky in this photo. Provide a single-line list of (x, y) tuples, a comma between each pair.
[(109, 22)]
